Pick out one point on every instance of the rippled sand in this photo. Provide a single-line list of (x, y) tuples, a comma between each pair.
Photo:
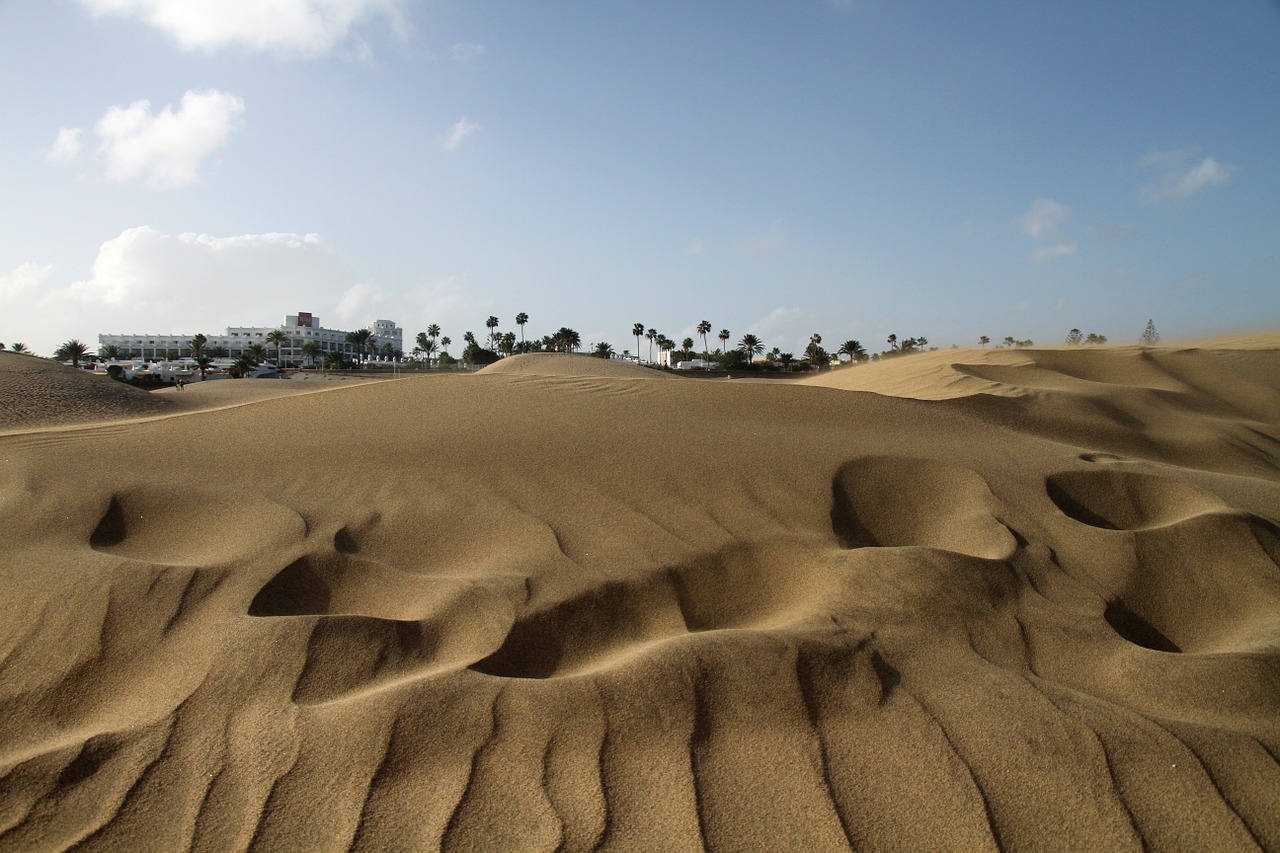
[(964, 599)]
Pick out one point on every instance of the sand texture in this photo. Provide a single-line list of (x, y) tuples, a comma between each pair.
[(966, 600)]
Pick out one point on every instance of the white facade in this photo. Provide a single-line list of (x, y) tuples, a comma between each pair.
[(299, 329)]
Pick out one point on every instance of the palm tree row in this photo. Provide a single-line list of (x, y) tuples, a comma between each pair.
[(363, 343), (496, 344)]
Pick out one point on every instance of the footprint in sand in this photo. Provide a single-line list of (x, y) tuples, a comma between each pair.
[(1191, 573), (1127, 500), (183, 527), (890, 502)]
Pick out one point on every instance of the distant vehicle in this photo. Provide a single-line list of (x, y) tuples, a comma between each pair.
[(695, 364)]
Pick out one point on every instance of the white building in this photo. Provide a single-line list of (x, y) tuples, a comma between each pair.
[(299, 329)]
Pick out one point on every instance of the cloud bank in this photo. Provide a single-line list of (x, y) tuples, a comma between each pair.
[(147, 281), (308, 28), (165, 150)]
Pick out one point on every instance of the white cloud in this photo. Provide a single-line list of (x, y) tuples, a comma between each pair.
[(461, 130), (1042, 220), (466, 52), (1183, 181), (147, 281), (168, 149), (295, 27), (358, 304), (774, 237), (1042, 223), (22, 281), (66, 146)]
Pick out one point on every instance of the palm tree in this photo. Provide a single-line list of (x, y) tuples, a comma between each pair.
[(603, 350), (244, 363), (521, 319), (492, 324), (786, 358), (652, 335), (507, 343), (276, 338), (444, 344), (568, 339), (637, 330), (751, 346), (362, 340), (687, 344), (19, 347), (893, 342), (203, 360), (704, 329), (815, 353), (110, 352), (854, 349), (984, 340), (334, 359), (666, 345), (724, 340), (72, 349), (311, 351), (203, 363)]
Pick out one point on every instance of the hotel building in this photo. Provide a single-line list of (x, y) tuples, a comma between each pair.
[(299, 329)]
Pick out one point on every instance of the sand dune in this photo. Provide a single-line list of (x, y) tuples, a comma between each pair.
[(1018, 600), (566, 364)]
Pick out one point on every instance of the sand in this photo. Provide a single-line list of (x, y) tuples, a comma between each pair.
[(971, 600)]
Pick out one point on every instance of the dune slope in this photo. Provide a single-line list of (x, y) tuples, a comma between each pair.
[(554, 612)]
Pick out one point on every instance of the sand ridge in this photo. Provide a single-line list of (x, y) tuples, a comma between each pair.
[(569, 364), (545, 610), (37, 393)]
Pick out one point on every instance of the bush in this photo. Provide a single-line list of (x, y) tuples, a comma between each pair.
[(475, 354)]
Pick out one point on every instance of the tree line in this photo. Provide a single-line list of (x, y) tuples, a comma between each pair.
[(433, 348)]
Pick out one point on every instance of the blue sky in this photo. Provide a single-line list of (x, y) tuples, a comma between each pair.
[(853, 168)]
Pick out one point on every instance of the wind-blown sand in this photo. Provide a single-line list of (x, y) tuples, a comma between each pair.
[(1016, 599)]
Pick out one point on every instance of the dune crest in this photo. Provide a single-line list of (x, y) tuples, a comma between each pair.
[(569, 365), (1031, 603)]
